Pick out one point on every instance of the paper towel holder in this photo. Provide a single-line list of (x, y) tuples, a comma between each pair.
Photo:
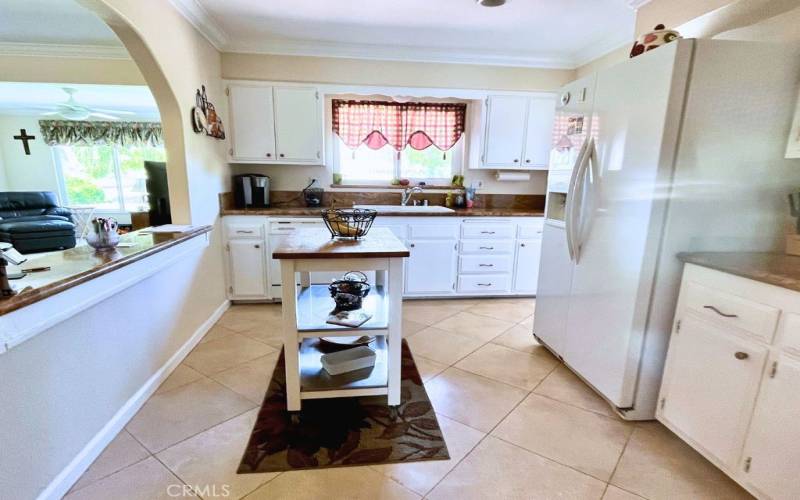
[(510, 176)]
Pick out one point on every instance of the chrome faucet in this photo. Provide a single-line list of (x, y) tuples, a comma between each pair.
[(407, 193)]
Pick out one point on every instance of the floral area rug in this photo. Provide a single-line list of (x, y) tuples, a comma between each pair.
[(344, 431)]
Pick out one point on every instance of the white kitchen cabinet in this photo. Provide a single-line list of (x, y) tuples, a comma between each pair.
[(771, 453), (539, 133), (505, 130), (275, 124), (431, 268), (732, 377), (450, 256), (518, 132), (710, 387), (526, 266), (252, 128), (297, 124), (247, 269)]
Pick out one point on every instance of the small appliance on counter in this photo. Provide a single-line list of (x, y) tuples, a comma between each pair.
[(313, 195), (251, 191)]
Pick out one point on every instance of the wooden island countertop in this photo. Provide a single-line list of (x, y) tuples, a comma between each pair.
[(317, 244)]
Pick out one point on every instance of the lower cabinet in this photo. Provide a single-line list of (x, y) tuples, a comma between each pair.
[(449, 256), (771, 452), (526, 265), (713, 381), (731, 384), (247, 269), (431, 268)]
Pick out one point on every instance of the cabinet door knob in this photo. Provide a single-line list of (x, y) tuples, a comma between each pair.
[(411, 245), (527, 161), (741, 355), (281, 155), (522, 244), (269, 155), (258, 246), (516, 160)]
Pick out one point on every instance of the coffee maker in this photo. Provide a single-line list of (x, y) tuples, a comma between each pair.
[(251, 191)]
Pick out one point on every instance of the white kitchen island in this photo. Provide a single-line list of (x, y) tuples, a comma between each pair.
[(305, 309)]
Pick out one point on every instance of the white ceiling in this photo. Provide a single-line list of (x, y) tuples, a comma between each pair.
[(547, 33), (538, 33), (53, 21), (24, 99)]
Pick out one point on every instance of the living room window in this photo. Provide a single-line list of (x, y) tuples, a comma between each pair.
[(378, 141), (108, 178), (101, 164)]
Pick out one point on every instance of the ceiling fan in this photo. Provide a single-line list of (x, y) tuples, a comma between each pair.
[(72, 110)]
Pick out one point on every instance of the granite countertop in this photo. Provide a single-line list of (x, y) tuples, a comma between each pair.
[(457, 212), (773, 268), (78, 265)]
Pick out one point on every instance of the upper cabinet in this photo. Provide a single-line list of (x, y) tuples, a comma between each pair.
[(253, 128), (518, 132), (275, 125)]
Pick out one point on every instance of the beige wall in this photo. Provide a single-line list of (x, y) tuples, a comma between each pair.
[(610, 59), (69, 70), (394, 73)]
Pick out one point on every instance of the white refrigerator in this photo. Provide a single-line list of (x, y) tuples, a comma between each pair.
[(679, 149)]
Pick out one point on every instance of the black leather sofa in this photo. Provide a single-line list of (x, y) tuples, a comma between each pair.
[(32, 221)]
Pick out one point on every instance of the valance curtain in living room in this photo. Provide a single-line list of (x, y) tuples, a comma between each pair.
[(88, 133), (399, 124)]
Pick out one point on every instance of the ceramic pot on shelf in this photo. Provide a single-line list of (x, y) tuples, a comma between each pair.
[(654, 39)]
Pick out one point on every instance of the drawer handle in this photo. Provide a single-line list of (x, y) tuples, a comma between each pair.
[(484, 284), (486, 248), (486, 265), (286, 228), (487, 232), (243, 232), (741, 355), (720, 312)]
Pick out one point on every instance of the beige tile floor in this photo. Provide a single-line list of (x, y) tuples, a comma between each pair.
[(518, 424)]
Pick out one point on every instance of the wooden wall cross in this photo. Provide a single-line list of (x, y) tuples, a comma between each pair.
[(24, 137)]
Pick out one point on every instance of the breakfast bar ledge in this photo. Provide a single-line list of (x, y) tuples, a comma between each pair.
[(306, 309)]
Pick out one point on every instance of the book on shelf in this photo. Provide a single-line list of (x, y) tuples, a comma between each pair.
[(352, 319)]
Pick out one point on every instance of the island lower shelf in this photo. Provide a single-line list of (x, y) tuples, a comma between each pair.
[(316, 382), (314, 304)]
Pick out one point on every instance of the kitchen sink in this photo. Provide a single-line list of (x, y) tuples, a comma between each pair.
[(412, 209)]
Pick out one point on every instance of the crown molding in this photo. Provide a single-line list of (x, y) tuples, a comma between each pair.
[(401, 53), (60, 50), (199, 17), (637, 4)]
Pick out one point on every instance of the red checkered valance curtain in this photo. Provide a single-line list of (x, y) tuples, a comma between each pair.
[(399, 124)]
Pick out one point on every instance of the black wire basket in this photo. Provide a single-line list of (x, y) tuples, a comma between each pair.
[(348, 222)]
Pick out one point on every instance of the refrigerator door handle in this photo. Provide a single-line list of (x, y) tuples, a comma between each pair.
[(590, 161), (569, 209)]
